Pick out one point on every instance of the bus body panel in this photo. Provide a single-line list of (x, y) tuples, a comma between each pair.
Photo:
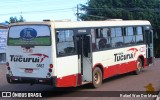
[(30, 54), (35, 59), (67, 71), (119, 61)]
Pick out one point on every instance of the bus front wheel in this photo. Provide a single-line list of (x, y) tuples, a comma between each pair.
[(139, 66), (97, 77)]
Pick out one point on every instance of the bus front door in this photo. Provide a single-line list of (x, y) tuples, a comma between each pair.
[(85, 57), (149, 46)]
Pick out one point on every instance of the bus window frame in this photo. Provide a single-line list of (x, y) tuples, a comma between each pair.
[(143, 34), (75, 33), (123, 34), (49, 26), (110, 48), (75, 45), (128, 35)]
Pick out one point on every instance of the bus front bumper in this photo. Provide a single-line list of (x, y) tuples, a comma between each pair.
[(48, 81)]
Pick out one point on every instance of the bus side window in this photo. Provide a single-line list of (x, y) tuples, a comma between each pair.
[(139, 35), (116, 37), (129, 38), (65, 42), (103, 38)]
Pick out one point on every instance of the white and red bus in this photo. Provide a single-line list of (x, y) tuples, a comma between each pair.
[(70, 54)]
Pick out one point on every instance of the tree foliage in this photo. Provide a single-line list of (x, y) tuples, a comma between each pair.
[(123, 9), (15, 19)]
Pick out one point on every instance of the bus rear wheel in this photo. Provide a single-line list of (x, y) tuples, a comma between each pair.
[(139, 66), (8, 79), (97, 77)]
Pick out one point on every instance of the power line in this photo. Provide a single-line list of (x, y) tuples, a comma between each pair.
[(40, 11), (129, 9)]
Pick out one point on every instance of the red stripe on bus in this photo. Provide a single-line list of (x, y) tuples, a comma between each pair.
[(67, 81), (76, 79), (120, 68)]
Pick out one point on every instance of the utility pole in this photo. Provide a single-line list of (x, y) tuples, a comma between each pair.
[(77, 12)]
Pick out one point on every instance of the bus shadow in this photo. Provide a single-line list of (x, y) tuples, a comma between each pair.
[(67, 92), (49, 91), (89, 90), (120, 76)]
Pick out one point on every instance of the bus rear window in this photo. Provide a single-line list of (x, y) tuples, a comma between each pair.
[(29, 35)]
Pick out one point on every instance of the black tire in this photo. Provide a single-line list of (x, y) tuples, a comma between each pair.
[(139, 66), (8, 79), (97, 77)]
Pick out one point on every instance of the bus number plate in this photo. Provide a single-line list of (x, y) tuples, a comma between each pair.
[(28, 70)]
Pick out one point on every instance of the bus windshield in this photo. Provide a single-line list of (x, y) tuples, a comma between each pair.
[(26, 35)]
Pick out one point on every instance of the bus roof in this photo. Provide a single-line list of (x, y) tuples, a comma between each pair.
[(85, 24)]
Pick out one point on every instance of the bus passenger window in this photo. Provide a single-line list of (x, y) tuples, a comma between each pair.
[(139, 35), (130, 37), (103, 38), (117, 38), (65, 42), (102, 43)]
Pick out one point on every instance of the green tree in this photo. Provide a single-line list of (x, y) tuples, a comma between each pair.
[(15, 20), (124, 9)]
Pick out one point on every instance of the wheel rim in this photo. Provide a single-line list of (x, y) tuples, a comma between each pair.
[(97, 77), (139, 66)]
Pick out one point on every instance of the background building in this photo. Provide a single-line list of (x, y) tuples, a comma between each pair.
[(3, 42)]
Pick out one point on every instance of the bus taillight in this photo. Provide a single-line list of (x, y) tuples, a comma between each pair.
[(51, 65), (50, 68), (8, 67)]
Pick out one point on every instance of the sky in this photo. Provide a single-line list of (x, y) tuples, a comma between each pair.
[(38, 10)]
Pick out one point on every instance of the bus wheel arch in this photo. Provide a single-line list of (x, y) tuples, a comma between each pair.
[(142, 59), (97, 76), (139, 65)]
